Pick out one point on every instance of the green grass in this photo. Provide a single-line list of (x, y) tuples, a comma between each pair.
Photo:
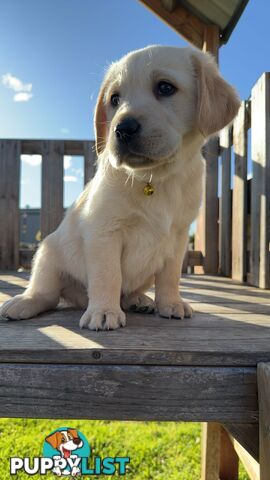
[(160, 451)]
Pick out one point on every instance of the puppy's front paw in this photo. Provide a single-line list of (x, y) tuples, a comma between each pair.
[(22, 306), (178, 309), (103, 319)]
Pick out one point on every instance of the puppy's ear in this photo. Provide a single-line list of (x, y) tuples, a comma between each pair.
[(100, 120), (217, 101), (53, 439)]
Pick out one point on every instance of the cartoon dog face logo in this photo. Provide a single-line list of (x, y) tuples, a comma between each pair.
[(65, 441)]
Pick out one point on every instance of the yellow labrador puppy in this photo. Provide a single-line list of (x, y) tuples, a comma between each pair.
[(129, 227)]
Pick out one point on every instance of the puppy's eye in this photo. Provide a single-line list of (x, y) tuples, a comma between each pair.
[(165, 89), (115, 100), (63, 440)]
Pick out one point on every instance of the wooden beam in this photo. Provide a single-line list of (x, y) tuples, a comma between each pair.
[(247, 435), (251, 465), (263, 376), (229, 462), (52, 186), (9, 203), (206, 238), (210, 451), (260, 185), (180, 19), (225, 216), (89, 161), (239, 200)]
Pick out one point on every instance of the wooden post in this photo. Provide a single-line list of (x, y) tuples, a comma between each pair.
[(260, 186), (239, 210), (10, 151), (207, 230), (89, 160), (263, 375), (225, 223), (219, 460), (52, 186), (210, 451)]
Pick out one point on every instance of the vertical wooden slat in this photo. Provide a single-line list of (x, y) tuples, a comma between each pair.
[(210, 451), (206, 239), (52, 186), (9, 203), (239, 209), (225, 221), (229, 463), (260, 188), (264, 419), (89, 160)]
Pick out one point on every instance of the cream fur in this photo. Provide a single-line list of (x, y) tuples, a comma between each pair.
[(115, 242)]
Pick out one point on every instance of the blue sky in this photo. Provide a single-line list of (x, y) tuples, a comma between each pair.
[(58, 51)]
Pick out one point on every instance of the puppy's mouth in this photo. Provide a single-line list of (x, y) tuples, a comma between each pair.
[(66, 452), (136, 160)]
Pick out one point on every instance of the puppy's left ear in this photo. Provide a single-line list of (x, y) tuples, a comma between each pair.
[(100, 121), (217, 101)]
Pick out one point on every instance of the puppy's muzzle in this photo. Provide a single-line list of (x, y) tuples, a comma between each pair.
[(127, 130)]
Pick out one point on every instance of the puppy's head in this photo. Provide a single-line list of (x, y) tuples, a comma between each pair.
[(65, 441), (152, 98)]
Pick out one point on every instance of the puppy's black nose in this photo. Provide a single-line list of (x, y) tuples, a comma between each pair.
[(127, 129), (77, 441)]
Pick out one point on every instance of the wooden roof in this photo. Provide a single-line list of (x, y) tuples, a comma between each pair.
[(189, 17)]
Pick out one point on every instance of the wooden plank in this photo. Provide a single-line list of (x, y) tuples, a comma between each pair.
[(260, 195), (245, 435), (210, 451), (180, 19), (128, 392), (52, 186), (225, 220), (239, 200), (251, 466), (71, 147), (9, 203), (228, 467), (89, 161), (206, 238), (264, 418)]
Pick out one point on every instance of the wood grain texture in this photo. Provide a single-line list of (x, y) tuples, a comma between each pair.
[(229, 462), (239, 200), (230, 327), (246, 435), (210, 451), (264, 418), (225, 216), (181, 20), (114, 392), (10, 151), (52, 186), (251, 465), (260, 194)]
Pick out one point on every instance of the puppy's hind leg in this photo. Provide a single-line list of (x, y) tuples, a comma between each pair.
[(44, 288)]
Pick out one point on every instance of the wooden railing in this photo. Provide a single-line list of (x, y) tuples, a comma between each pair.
[(243, 213), (243, 206), (52, 152)]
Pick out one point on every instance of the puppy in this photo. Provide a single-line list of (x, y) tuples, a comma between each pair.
[(129, 227), (65, 441)]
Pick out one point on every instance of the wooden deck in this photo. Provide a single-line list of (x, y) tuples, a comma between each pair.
[(199, 369)]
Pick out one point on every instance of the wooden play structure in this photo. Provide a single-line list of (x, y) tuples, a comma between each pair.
[(213, 368)]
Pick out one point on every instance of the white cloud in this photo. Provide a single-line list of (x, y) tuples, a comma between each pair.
[(67, 161), (70, 178), (22, 97), (33, 160), (15, 83), (23, 90), (64, 130)]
